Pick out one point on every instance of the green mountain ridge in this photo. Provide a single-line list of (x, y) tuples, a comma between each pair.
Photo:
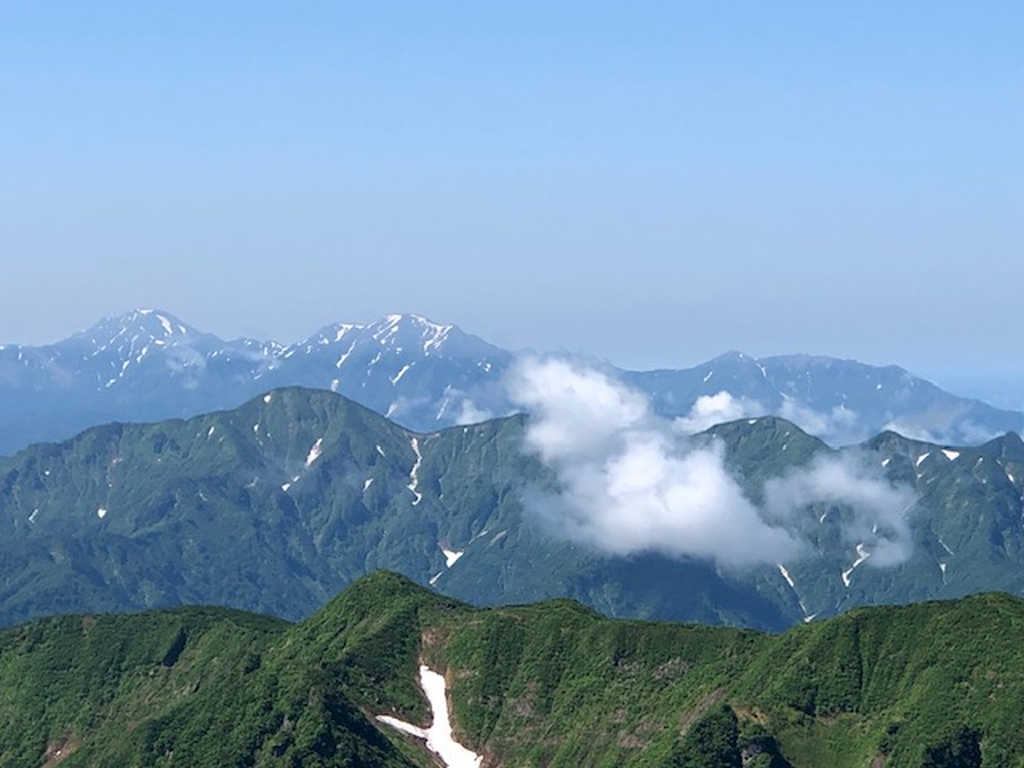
[(278, 504), (939, 684)]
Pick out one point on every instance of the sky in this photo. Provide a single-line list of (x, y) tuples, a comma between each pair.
[(651, 183)]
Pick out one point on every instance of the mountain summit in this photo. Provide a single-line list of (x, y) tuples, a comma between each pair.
[(148, 324), (147, 365)]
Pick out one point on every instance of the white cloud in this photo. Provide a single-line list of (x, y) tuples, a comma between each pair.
[(577, 411), (880, 508), (462, 408), (960, 433), (719, 408), (630, 484), (469, 413), (402, 407), (181, 357), (838, 426)]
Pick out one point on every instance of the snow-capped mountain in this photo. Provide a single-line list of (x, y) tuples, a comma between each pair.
[(418, 372), (116, 353), (148, 365), (841, 401)]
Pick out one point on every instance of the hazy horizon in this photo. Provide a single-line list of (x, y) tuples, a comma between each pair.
[(651, 186)]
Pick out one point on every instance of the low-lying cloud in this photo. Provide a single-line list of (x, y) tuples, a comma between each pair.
[(470, 413), (837, 426), (630, 484), (880, 508), (709, 410), (461, 408), (958, 433)]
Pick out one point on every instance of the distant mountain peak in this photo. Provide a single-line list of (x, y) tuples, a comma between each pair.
[(893, 442), (733, 355), (413, 320), (135, 324), (392, 332), (407, 331), (759, 424)]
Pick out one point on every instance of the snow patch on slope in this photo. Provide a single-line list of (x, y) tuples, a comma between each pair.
[(792, 585), (414, 480), (450, 557), (786, 576), (862, 555), (315, 451), (439, 735), (344, 357), (398, 376)]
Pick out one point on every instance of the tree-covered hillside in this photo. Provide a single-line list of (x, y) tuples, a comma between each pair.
[(549, 684), (278, 504)]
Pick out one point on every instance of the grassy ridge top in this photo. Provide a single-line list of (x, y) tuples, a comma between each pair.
[(937, 684)]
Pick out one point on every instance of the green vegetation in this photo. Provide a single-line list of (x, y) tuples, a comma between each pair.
[(279, 504), (552, 684), (226, 509), (712, 742), (205, 687)]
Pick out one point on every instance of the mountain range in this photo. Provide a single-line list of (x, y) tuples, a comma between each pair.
[(936, 685), (276, 505), (148, 365)]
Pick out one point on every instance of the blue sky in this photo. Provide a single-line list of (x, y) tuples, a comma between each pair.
[(651, 183)]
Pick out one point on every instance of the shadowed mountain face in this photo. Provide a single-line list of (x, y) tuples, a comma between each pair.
[(277, 504), (549, 684), (147, 365)]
